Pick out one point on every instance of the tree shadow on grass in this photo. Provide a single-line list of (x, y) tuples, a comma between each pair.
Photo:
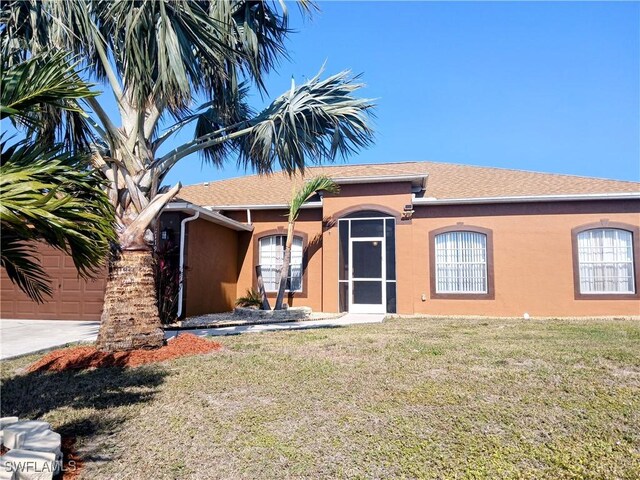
[(78, 397)]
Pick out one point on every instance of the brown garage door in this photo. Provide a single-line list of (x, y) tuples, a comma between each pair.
[(72, 299)]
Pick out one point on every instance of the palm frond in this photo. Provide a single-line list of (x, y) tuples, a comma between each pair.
[(34, 27), (162, 50), (319, 121), (48, 195), (43, 79), (316, 122), (165, 51), (18, 258), (258, 34), (229, 108), (307, 190), (42, 95)]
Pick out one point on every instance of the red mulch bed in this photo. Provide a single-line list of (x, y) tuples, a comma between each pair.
[(79, 358)]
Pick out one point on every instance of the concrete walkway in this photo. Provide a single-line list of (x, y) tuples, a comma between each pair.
[(348, 319), (19, 337)]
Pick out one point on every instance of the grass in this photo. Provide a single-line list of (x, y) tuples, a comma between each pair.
[(410, 398)]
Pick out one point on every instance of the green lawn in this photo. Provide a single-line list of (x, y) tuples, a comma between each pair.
[(410, 398)]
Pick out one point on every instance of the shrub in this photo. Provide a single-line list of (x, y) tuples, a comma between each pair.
[(251, 299), (167, 276)]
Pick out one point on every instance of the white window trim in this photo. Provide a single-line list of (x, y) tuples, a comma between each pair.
[(615, 263), (484, 263), (267, 287)]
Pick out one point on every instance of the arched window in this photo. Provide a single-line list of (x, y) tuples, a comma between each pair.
[(605, 261), (461, 262), (271, 254)]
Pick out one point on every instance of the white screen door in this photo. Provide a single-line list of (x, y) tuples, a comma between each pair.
[(367, 279)]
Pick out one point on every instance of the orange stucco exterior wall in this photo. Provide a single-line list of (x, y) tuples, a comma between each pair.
[(533, 258), (533, 266), (211, 268), (274, 222), (387, 197), (532, 252)]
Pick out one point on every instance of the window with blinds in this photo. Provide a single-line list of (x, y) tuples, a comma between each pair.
[(271, 257), (605, 257), (461, 262)]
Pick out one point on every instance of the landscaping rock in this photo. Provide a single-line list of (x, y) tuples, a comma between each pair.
[(45, 441), (6, 474), (6, 421), (293, 314), (11, 439), (28, 426), (251, 316), (29, 465), (34, 450)]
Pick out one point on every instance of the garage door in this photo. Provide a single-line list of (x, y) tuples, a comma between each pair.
[(72, 299)]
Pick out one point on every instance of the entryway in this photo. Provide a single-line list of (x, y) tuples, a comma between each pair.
[(367, 281)]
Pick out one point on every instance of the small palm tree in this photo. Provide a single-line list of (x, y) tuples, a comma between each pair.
[(47, 193), (299, 198), (252, 298)]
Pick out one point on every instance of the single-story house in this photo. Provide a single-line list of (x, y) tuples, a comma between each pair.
[(408, 238)]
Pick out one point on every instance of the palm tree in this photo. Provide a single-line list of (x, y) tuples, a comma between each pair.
[(299, 198), (155, 58), (47, 193)]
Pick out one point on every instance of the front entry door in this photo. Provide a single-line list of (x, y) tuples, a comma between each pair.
[(367, 266)]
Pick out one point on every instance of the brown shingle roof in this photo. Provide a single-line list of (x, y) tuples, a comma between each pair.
[(445, 181)]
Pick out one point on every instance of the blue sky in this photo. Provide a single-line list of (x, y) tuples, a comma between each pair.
[(543, 86), (551, 87)]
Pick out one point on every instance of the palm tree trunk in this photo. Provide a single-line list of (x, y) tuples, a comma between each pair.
[(263, 294), (130, 317), (284, 273)]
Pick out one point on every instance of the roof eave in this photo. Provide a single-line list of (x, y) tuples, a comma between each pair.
[(208, 215), (274, 206), (527, 199)]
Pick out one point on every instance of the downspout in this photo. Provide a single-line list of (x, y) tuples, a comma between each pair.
[(322, 232), (249, 216), (183, 224)]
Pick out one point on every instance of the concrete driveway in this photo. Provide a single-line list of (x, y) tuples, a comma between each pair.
[(18, 337)]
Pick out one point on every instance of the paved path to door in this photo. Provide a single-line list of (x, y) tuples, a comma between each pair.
[(18, 337), (345, 320)]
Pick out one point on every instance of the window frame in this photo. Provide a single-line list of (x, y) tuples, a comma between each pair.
[(605, 224), (302, 293), (488, 233)]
